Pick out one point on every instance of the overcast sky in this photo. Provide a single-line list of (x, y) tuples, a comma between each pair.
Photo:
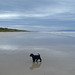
[(45, 15)]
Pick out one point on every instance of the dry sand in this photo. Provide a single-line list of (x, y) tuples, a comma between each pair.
[(6, 34)]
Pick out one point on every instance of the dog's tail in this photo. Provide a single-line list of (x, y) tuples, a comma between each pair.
[(38, 54), (39, 57)]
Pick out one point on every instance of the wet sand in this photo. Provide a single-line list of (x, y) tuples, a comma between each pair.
[(19, 63), (55, 61)]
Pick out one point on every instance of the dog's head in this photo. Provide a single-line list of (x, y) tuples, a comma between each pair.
[(31, 55)]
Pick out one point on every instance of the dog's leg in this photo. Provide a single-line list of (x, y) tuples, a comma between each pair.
[(40, 59), (37, 60), (33, 60)]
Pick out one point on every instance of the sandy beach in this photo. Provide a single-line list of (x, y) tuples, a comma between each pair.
[(6, 34), (57, 59)]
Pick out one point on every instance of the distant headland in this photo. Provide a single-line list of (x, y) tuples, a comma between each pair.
[(12, 30)]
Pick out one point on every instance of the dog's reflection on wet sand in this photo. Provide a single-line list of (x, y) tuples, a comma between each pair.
[(35, 65)]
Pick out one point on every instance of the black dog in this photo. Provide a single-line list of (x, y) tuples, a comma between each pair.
[(35, 58)]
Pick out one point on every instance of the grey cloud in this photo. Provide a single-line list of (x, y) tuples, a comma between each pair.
[(47, 9), (22, 4)]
